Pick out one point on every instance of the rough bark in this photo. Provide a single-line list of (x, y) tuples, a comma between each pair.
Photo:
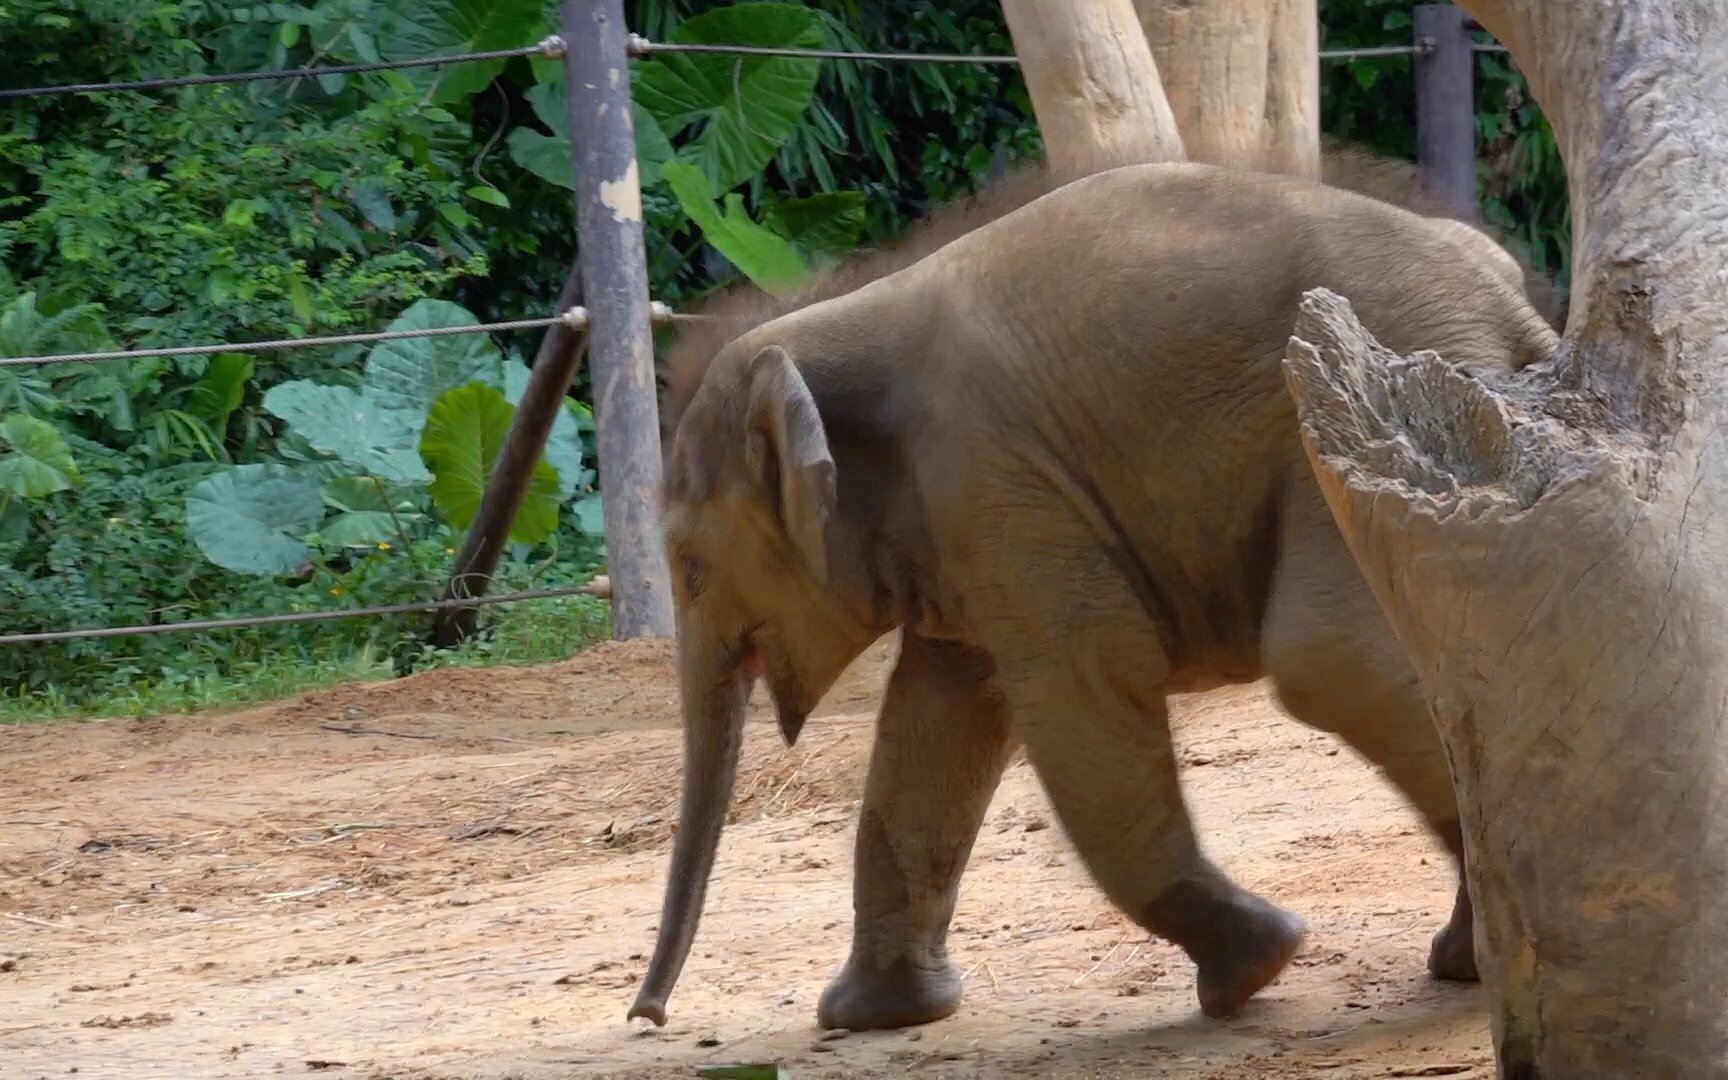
[(1552, 550), (1094, 87), (1242, 78)]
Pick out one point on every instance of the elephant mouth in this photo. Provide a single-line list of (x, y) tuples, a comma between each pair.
[(790, 706), (751, 665)]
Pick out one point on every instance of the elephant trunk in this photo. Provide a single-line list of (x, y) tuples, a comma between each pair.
[(714, 695)]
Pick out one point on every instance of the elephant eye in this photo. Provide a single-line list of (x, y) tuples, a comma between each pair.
[(692, 571)]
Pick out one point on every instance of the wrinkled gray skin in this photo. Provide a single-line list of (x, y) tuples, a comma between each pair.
[(1059, 457)]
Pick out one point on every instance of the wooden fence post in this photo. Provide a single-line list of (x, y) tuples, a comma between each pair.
[(620, 338), (1446, 102), (555, 366)]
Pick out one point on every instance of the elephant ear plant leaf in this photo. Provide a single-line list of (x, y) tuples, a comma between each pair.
[(564, 444), (746, 106), (762, 255), (821, 226), (251, 518), (464, 433), (407, 375), (369, 512), (221, 389), (35, 459), (412, 29), (548, 156), (352, 425)]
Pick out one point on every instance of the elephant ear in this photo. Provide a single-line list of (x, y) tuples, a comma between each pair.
[(786, 452)]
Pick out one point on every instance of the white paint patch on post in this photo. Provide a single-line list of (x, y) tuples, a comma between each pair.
[(623, 196)]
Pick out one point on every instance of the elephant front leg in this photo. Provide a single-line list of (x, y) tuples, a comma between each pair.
[(942, 741)]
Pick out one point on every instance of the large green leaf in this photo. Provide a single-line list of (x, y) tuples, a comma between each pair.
[(544, 156), (415, 29), (360, 529), (34, 458), (548, 156), (352, 425), (221, 389), (763, 256), (408, 375), (14, 521), (821, 226), (747, 105), (370, 512), (653, 149), (563, 444), (251, 518), (591, 515), (366, 494), (464, 433)]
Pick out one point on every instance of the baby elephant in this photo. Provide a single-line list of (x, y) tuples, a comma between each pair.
[(1058, 455)]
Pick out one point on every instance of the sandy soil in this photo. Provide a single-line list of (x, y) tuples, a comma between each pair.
[(458, 874)]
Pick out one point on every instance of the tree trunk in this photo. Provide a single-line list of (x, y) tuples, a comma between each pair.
[(1242, 78), (1094, 87), (1552, 550)]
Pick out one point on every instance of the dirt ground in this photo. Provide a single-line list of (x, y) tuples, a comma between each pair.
[(458, 875)]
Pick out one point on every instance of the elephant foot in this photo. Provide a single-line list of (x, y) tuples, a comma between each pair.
[(1239, 942), (1246, 959), (1452, 955), (864, 997)]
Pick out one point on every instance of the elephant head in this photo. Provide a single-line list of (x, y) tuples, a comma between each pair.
[(751, 501)]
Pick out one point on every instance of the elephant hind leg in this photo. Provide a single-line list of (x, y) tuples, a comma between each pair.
[(1337, 668), (1405, 747), (1110, 770), (1082, 679)]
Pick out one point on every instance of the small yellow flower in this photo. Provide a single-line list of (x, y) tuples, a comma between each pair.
[(337, 591), (449, 551), (384, 546)]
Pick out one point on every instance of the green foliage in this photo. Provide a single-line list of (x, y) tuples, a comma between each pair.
[(736, 113), (548, 156), (464, 434), (34, 458), (354, 426), (765, 257), (250, 519), (826, 225), (422, 431), (412, 29), (239, 483), (408, 375), (743, 107)]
